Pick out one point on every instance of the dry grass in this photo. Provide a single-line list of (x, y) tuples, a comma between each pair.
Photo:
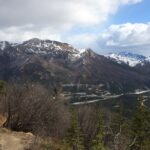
[(10, 140)]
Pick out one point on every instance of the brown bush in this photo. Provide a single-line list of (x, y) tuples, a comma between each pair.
[(36, 109)]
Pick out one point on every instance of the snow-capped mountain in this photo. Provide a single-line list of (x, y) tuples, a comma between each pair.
[(45, 46), (53, 62), (128, 58), (48, 48)]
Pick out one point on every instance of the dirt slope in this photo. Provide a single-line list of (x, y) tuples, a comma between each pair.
[(10, 140)]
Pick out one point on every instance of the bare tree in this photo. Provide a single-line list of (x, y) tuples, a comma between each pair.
[(35, 108)]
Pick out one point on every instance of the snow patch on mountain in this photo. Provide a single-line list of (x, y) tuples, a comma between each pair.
[(2, 45), (64, 50), (39, 46), (79, 53), (45, 47), (148, 59), (128, 58)]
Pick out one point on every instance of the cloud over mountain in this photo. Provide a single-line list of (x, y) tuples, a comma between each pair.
[(128, 36), (50, 18)]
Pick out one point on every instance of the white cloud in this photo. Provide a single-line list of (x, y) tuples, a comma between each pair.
[(127, 34), (134, 37), (53, 17), (18, 34), (58, 12), (85, 40)]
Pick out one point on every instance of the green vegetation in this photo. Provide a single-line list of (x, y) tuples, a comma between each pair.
[(98, 142), (36, 109), (74, 136), (140, 129)]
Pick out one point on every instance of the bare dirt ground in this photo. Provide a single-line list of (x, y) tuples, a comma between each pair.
[(10, 140)]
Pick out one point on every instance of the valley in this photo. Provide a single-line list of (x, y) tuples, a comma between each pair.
[(94, 94)]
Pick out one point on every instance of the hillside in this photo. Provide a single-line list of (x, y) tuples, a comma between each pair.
[(54, 63)]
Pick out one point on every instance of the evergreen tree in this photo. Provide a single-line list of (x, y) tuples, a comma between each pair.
[(74, 136), (140, 129), (98, 142), (119, 129)]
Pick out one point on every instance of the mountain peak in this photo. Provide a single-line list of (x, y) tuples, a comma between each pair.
[(88, 52), (35, 40), (36, 45)]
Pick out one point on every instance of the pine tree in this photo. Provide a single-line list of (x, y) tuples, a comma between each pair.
[(98, 142), (74, 136), (140, 129), (119, 129)]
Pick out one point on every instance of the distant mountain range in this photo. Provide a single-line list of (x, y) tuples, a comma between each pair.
[(129, 58), (54, 63)]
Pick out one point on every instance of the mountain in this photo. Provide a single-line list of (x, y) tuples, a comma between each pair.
[(53, 63), (37, 60), (129, 58)]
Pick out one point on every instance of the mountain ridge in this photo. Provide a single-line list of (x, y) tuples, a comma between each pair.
[(54, 63), (129, 58)]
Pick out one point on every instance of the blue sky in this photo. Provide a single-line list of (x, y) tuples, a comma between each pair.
[(103, 25), (138, 13)]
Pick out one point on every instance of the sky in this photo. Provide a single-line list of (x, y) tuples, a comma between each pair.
[(103, 25)]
